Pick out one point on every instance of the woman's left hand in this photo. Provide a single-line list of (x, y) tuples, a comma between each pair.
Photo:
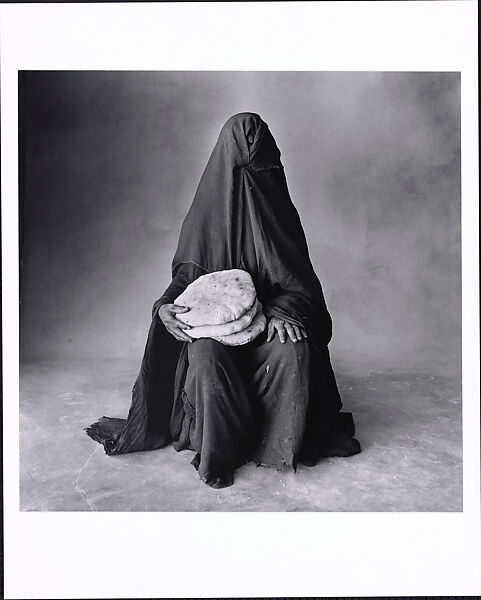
[(284, 329)]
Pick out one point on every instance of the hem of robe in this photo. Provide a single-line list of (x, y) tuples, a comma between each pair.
[(107, 431), (339, 442)]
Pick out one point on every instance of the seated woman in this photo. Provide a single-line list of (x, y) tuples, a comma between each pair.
[(273, 400)]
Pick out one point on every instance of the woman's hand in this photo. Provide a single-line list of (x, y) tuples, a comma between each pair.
[(284, 329), (175, 327)]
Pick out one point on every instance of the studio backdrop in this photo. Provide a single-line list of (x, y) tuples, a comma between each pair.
[(110, 162)]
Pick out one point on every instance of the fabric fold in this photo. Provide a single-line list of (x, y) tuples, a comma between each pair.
[(241, 217)]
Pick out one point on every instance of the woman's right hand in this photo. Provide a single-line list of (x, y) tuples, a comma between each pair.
[(175, 327)]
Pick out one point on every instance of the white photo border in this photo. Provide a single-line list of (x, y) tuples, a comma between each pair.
[(82, 555)]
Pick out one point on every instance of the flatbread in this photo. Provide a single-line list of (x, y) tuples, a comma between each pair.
[(211, 331), (217, 298), (246, 335)]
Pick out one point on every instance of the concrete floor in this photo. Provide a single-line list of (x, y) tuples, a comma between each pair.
[(409, 426)]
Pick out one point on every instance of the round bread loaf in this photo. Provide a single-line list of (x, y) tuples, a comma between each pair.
[(217, 298), (246, 335), (211, 331)]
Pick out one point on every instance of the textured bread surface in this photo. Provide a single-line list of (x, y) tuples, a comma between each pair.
[(212, 331), (217, 298), (246, 335)]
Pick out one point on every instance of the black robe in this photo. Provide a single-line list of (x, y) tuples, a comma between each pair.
[(241, 217)]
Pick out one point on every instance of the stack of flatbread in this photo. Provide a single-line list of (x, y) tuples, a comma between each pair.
[(223, 306)]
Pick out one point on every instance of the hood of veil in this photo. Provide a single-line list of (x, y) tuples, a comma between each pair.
[(242, 217)]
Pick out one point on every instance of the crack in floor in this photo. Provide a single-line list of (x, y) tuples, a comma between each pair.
[(81, 491)]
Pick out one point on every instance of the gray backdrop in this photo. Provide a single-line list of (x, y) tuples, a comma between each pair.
[(111, 161)]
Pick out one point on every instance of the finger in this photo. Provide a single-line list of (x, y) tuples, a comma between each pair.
[(270, 331), (298, 333), (181, 336), (304, 333), (290, 332), (176, 308), (184, 335), (281, 330), (177, 333), (178, 322), (174, 323)]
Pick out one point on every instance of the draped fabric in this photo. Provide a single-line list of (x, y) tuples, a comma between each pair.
[(242, 217), (274, 403)]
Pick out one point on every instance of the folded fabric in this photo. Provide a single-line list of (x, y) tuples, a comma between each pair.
[(217, 298), (246, 335), (212, 331)]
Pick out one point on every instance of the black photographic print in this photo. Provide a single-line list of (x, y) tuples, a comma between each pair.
[(311, 223)]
